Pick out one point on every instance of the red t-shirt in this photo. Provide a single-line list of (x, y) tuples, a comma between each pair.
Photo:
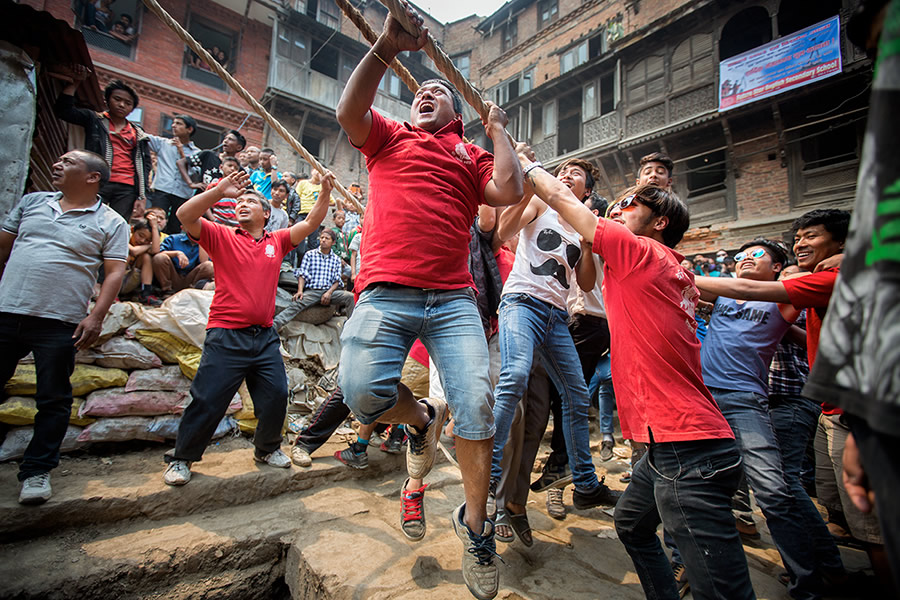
[(424, 192), (123, 142), (247, 273), (813, 292), (650, 299)]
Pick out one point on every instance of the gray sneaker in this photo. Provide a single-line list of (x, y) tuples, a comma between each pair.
[(556, 508), (178, 472), (478, 569), (35, 489), (275, 459), (606, 450), (423, 444), (300, 457)]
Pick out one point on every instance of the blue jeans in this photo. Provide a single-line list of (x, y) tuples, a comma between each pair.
[(376, 339), (794, 421), (602, 385), (529, 326), (786, 515), (688, 487), (54, 361)]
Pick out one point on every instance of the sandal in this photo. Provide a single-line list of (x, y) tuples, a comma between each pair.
[(520, 525), (502, 520)]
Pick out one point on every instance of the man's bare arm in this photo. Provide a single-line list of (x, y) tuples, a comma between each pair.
[(505, 186), (586, 270), (193, 210), (743, 289), (302, 229), (89, 329)]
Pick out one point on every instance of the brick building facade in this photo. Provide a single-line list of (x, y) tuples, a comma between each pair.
[(612, 81)]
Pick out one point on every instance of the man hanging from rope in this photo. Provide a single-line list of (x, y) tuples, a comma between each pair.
[(425, 186)]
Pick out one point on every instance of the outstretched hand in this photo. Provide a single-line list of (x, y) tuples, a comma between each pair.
[(327, 181), (234, 184)]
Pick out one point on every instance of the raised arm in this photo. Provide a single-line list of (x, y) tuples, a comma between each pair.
[(505, 186), (517, 216), (743, 289), (192, 211), (359, 93), (586, 269), (301, 230), (559, 197)]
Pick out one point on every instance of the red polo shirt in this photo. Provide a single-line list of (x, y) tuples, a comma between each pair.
[(424, 192), (247, 273), (650, 299)]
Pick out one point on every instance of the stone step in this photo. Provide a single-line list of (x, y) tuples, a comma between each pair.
[(91, 490)]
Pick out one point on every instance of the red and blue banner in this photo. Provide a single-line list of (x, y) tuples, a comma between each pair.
[(790, 62)]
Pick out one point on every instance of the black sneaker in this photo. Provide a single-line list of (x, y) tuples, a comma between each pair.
[(352, 459), (552, 477), (150, 300), (599, 496), (394, 443)]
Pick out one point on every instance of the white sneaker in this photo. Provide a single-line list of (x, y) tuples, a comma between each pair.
[(178, 472), (35, 489), (301, 457), (275, 459)]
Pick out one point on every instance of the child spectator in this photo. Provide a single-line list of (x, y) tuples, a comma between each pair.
[(278, 219), (142, 245), (223, 211)]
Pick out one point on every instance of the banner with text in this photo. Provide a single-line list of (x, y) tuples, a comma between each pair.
[(795, 60)]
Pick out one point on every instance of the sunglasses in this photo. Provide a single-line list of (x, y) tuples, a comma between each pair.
[(624, 203), (758, 253)]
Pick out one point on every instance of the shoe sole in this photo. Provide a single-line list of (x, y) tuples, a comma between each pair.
[(33, 501), (302, 463), (351, 465), (268, 464), (412, 537), (558, 484)]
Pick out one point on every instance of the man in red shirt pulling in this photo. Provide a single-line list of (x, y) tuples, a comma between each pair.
[(240, 340), (415, 280), (692, 466)]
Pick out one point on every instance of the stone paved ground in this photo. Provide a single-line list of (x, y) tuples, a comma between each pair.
[(242, 531)]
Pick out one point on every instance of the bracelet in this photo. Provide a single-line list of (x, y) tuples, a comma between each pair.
[(535, 165), (375, 54)]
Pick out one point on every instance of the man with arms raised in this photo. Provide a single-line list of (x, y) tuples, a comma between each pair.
[(425, 187), (693, 465), (240, 340)]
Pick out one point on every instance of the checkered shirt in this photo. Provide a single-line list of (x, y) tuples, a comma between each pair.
[(790, 367), (319, 270)]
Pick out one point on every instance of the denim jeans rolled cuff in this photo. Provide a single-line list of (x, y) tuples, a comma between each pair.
[(376, 340), (788, 517), (229, 357), (530, 327), (54, 360), (688, 487)]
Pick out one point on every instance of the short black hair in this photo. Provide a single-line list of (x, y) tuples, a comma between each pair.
[(240, 138), (284, 184), (835, 221), (661, 158), (777, 250), (188, 122), (582, 164), (664, 204), (329, 233), (118, 84), (138, 224), (127, 16), (597, 202), (231, 159), (95, 164), (454, 94), (267, 151)]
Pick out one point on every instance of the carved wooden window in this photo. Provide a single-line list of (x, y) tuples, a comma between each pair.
[(646, 81), (692, 61)]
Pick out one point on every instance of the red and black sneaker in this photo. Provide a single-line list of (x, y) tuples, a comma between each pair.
[(412, 512)]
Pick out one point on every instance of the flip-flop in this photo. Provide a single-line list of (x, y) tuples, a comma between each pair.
[(520, 525), (502, 519)]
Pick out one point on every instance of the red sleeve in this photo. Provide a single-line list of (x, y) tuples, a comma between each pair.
[(210, 234), (811, 291), (484, 165), (620, 249), (379, 134), (283, 236)]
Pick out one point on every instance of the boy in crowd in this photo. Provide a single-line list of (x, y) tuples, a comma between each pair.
[(180, 263), (170, 189), (207, 164), (279, 218), (263, 178), (110, 134)]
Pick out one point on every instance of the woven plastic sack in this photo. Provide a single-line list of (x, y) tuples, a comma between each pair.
[(20, 410), (117, 402), (246, 412), (167, 427), (18, 439), (121, 429), (85, 379), (126, 354), (171, 349), (165, 379)]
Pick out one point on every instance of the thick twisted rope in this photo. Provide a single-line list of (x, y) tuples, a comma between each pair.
[(233, 83), (371, 36), (440, 58)]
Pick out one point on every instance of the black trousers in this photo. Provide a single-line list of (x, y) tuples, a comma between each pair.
[(229, 357), (591, 337), (120, 197), (325, 421), (54, 361), (169, 203)]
